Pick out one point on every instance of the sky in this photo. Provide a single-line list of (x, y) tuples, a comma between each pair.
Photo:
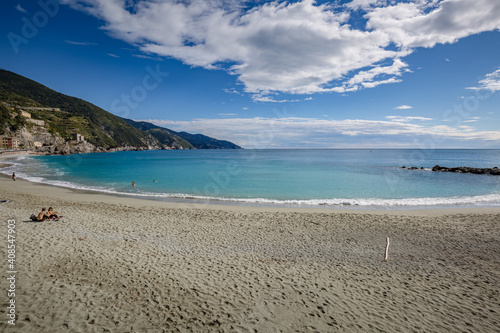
[(273, 74)]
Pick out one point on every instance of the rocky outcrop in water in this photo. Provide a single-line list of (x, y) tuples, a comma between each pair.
[(478, 171), (412, 168)]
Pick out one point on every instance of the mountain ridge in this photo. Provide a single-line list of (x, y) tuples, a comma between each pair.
[(55, 118), (199, 141)]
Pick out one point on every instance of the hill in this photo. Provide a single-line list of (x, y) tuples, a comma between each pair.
[(197, 141), (201, 141), (56, 118)]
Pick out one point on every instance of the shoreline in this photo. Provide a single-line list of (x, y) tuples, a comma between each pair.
[(66, 193)]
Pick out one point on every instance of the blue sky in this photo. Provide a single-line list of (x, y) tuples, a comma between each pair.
[(296, 74)]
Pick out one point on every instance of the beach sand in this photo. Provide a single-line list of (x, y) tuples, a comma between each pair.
[(118, 264)]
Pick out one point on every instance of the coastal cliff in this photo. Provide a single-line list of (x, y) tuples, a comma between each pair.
[(39, 118)]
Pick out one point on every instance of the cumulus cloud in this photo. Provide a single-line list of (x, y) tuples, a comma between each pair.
[(362, 4), (301, 47), (490, 82), (262, 132), (426, 23)]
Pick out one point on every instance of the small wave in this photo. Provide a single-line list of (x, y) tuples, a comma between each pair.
[(491, 199)]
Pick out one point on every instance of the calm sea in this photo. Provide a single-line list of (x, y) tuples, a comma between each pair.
[(291, 177)]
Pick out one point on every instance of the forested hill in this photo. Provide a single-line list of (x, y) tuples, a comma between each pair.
[(198, 141), (71, 115)]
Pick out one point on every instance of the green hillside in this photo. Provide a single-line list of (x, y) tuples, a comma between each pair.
[(201, 141), (198, 141), (99, 127)]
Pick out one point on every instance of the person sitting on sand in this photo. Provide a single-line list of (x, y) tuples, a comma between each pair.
[(51, 214), (42, 216)]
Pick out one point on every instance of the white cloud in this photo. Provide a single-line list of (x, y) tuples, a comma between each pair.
[(267, 98), (21, 9), (403, 107), (232, 91), (263, 132), (490, 82), (427, 23), (366, 79), (80, 43), (301, 47), (143, 56), (407, 119), (467, 128), (472, 120), (363, 4), (113, 55)]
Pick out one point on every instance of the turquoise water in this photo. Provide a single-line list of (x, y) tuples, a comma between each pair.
[(302, 177)]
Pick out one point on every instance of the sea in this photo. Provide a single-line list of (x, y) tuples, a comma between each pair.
[(360, 178)]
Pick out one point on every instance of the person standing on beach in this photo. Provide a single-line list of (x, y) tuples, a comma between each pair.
[(14, 176)]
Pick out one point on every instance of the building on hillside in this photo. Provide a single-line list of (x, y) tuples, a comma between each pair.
[(9, 143), (37, 144), (78, 137)]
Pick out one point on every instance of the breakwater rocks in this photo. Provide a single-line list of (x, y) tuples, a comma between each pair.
[(478, 171)]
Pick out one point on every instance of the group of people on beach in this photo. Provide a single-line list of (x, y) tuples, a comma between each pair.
[(45, 214), (48, 215)]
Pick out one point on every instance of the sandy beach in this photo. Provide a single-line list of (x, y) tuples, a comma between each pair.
[(117, 264)]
